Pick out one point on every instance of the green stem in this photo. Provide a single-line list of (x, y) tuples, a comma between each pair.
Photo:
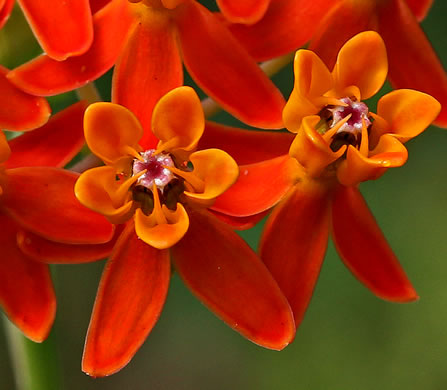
[(89, 92), (35, 366)]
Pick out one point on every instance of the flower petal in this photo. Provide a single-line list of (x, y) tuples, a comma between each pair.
[(246, 12), (63, 28), (110, 130), (5, 150), (419, 8), (162, 235), (407, 112), (210, 53), (406, 42), (26, 290), (53, 144), (286, 26), (45, 76), (228, 277), (245, 146), (259, 187), (50, 252), (364, 250), (239, 223), (130, 297), (361, 62), (18, 110), (184, 129), (294, 242), (42, 200), (149, 66), (5, 11)]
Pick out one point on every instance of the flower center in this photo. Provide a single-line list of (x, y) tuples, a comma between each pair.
[(359, 113), (157, 173)]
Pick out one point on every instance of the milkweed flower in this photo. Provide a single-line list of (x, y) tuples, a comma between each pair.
[(338, 144), (37, 203), (148, 41), (162, 195)]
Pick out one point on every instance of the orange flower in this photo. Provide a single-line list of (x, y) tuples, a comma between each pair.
[(162, 194), (37, 206), (338, 144)]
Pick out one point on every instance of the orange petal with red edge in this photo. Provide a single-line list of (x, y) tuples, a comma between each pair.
[(361, 62), (110, 130), (50, 252), (409, 68), (272, 37), (5, 11), (259, 187), (63, 28), (248, 94), (178, 120), (294, 242), (162, 235), (18, 110), (53, 144), (228, 277), (45, 76), (26, 290), (130, 298), (364, 250), (239, 223), (148, 67), (419, 8), (407, 112), (42, 200), (98, 189), (245, 146), (388, 153), (216, 169), (245, 12)]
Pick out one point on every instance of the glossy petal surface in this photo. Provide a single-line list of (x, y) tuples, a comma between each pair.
[(294, 242), (63, 28), (42, 200), (53, 144), (45, 77), (246, 12), (128, 304), (26, 290), (210, 52), (239, 223), (18, 110), (5, 11), (148, 67), (365, 251), (226, 275)]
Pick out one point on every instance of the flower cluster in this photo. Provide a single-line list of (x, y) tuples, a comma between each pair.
[(160, 189)]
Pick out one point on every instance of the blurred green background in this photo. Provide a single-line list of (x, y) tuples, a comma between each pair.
[(348, 340)]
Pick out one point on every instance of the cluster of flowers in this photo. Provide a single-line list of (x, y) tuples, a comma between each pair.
[(174, 187)]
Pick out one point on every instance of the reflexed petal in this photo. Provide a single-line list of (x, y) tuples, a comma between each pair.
[(44, 76), (216, 169), (164, 235), (5, 11), (342, 22), (53, 144), (294, 243), (110, 130), (312, 80), (210, 53), (18, 110), (272, 37), (183, 129), (63, 28), (259, 187), (26, 290), (364, 250), (149, 66), (239, 223), (228, 277), (362, 62), (98, 189), (245, 146), (388, 153), (246, 12), (42, 200), (419, 8), (131, 295), (5, 150), (407, 112), (45, 251), (406, 42)]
